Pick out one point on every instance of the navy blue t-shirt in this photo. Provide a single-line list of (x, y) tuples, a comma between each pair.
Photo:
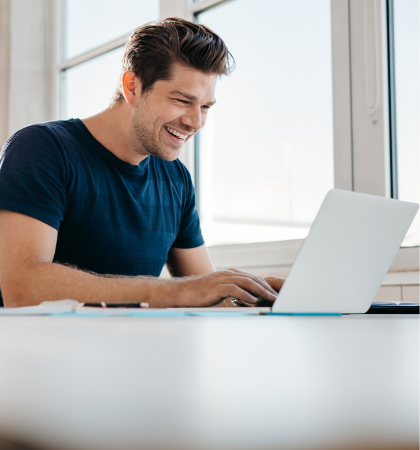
[(112, 217)]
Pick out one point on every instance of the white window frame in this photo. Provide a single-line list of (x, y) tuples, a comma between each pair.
[(4, 70), (362, 144)]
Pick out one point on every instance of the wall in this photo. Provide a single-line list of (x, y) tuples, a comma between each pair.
[(24, 57)]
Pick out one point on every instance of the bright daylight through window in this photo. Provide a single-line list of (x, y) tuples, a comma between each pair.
[(266, 152), (407, 76), (87, 88), (265, 157)]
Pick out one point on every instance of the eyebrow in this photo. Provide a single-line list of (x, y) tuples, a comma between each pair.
[(191, 97)]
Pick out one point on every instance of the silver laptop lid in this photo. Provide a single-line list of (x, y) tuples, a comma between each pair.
[(347, 254)]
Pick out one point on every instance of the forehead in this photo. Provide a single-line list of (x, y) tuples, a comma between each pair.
[(192, 81)]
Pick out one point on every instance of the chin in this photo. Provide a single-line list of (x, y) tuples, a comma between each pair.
[(167, 155), (173, 157)]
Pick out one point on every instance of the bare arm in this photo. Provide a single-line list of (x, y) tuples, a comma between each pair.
[(28, 276), (196, 261), (184, 262)]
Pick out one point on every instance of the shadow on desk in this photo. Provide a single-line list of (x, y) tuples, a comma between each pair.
[(12, 444)]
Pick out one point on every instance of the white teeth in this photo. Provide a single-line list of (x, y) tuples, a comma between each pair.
[(174, 132)]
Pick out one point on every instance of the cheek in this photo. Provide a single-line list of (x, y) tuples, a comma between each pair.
[(174, 113), (203, 119)]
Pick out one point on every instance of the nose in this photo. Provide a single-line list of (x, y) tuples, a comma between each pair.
[(193, 118)]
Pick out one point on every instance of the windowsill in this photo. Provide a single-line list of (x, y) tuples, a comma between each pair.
[(401, 283), (277, 258), (407, 278)]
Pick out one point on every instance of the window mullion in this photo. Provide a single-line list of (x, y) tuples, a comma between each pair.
[(342, 108), (180, 8), (369, 97)]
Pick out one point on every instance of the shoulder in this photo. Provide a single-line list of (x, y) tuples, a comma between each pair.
[(31, 140), (32, 134), (49, 139), (44, 130), (37, 136)]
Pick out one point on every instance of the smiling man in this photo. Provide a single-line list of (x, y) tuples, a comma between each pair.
[(93, 209)]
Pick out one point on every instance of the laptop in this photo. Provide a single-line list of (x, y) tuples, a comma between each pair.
[(344, 259)]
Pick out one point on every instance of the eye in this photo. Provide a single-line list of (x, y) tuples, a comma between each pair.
[(185, 102), (206, 107)]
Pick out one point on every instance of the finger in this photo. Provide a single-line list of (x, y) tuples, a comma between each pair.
[(248, 305), (260, 302), (253, 287), (235, 302), (256, 287), (275, 282), (255, 278), (232, 290), (238, 303)]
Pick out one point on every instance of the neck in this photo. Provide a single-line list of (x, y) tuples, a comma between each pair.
[(112, 128)]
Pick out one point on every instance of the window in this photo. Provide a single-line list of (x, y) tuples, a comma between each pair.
[(93, 36), (89, 24), (407, 76), (291, 121), (266, 153), (89, 86)]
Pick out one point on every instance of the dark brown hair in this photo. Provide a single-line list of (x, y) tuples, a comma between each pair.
[(153, 48)]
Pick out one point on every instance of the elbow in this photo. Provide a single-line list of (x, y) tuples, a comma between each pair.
[(12, 298), (15, 294), (22, 286)]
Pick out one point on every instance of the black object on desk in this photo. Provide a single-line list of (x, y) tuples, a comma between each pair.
[(393, 308), (116, 305)]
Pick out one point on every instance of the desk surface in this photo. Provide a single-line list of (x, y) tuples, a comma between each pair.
[(207, 383)]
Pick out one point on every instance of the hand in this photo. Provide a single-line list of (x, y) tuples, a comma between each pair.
[(213, 288), (275, 282)]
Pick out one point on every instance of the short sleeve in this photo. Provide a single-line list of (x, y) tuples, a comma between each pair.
[(33, 176), (189, 234)]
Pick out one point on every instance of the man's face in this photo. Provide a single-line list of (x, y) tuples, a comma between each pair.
[(172, 112)]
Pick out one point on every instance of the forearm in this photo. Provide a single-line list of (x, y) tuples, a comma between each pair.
[(51, 281), (42, 281)]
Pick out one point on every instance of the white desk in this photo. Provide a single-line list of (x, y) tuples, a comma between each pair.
[(211, 383)]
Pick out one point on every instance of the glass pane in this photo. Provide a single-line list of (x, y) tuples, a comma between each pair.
[(406, 25), (88, 87), (266, 152), (89, 24)]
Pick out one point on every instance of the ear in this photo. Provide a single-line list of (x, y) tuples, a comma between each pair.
[(131, 86)]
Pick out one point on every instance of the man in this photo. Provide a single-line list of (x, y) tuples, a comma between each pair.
[(93, 209)]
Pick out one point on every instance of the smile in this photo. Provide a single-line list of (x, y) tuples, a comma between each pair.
[(175, 133)]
